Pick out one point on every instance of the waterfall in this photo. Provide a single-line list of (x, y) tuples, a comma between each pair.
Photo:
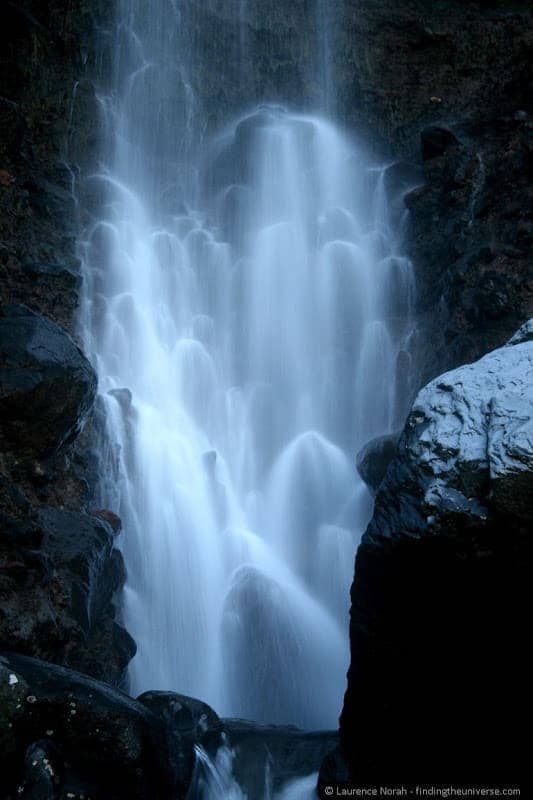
[(213, 780), (245, 306)]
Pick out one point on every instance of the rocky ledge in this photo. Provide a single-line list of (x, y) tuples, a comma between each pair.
[(64, 735), (438, 618)]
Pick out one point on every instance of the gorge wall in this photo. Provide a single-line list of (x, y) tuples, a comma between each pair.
[(439, 596), (58, 570), (448, 85), (443, 90)]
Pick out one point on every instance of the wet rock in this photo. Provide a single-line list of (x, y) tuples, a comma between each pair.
[(440, 589), (473, 272), (110, 517), (188, 722), (59, 574), (86, 737), (123, 398), (49, 122), (523, 334), (83, 547), (510, 452), (373, 460), (47, 386), (49, 143), (462, 117), (184, 714), (456, 59), (51, 269), (43, 771)]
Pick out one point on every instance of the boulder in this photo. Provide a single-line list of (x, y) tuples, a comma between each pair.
[(468, 433), (374, 458), (62, 732), (110, 517), (184, 714), (47, 386), (440, 592), (188, 722)]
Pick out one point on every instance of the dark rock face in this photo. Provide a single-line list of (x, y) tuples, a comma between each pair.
[(59, 571), (49, 137), (470, 240), (439, 596), (47, 386), (58, 576), (449, 84), (402, 67), (374, 458), (65, 735)]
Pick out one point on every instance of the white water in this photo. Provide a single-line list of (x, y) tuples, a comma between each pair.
[(213, 780), (248, 293)]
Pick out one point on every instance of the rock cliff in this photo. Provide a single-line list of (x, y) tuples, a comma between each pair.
[(447, 85), (439, 596), (59, 570)]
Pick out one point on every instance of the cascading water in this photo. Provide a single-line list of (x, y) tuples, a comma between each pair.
[(213, 780), (247, 292)]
